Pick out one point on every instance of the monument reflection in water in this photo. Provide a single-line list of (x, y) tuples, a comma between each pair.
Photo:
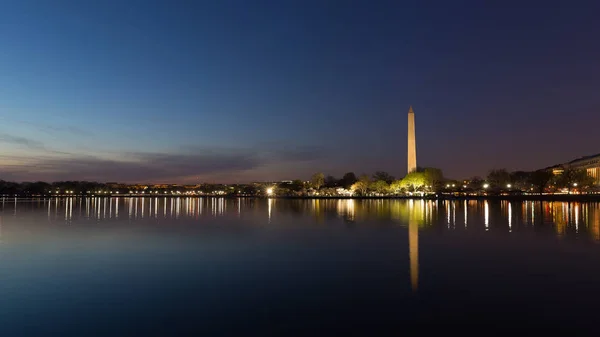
[(376, 253), (577, 219)]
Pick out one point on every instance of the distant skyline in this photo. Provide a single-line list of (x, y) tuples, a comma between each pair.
[(235, 91)]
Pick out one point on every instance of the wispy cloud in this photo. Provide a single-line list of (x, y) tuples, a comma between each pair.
[(17, 140), (49, 128), (153, 167), (61, 129), (29, 143)]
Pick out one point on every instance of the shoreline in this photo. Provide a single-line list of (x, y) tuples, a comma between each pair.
[(547, 197)]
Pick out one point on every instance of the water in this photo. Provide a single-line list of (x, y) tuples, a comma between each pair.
[(239, 267)]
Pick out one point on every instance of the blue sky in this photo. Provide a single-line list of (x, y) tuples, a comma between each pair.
[(230, 91)]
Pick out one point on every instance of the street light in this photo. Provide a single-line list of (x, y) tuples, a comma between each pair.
[(486, 185), (269, 191), (508, 186), (574, 184)]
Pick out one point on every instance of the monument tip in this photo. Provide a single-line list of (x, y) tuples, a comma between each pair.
[(410, 110)]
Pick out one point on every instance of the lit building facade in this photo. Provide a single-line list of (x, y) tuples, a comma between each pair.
[(591, 164)]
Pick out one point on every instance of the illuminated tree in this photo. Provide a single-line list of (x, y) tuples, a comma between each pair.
[(380, 186), (396, 186), (414, 181), (317, 180), (362, 185)]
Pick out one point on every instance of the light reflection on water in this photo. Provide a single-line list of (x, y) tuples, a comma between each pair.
[(581, 220), (565, 218), (414, 257)]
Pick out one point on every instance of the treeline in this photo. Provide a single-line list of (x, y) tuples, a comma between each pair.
[(88, 187), (423, 180), (380, 183), (539, 181), (432, 180), (42, 188)]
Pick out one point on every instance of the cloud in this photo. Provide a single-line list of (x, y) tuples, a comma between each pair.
[(61, 129), (154, 167), (146, 167), (30, 143), (48, 128)]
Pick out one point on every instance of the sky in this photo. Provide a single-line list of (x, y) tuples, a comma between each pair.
[(237, 91)]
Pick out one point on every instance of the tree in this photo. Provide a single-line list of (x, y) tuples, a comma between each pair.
[(499, 178), (362, 185), (414, 181), (348, 180), (452, 184), (248, 189), (380, 186), (330, 181), (7, 187), (39, 187), (396, 186), (384, 176), (328, 191), (540, 179), (476, 182), (574, 178), (520, 180), (433, 177), (317, 180), (294, 186)]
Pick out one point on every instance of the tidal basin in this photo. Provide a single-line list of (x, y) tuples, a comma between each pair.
[(248, 266)]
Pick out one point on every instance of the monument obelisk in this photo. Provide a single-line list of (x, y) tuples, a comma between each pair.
[(412, 144)]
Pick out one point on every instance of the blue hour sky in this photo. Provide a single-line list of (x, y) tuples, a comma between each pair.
[(234, 91)]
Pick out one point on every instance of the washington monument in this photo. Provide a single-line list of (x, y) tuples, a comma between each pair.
[(412, 145)]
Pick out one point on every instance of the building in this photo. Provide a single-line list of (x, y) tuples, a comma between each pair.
[(591, 164)]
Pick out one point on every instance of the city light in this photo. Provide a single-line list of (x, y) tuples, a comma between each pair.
[(269, 191), (574, 184), (486, 185), (508, 186)]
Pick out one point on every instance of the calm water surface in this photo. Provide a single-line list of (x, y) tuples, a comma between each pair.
[(239, 267)]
